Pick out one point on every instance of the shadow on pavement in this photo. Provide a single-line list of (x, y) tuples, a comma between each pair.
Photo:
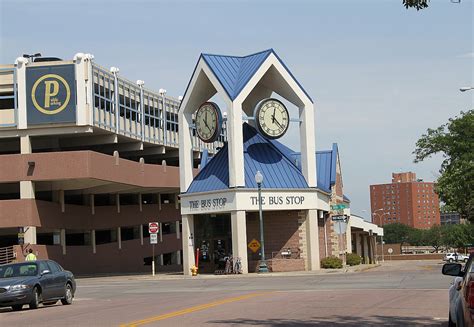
[(336, 321)]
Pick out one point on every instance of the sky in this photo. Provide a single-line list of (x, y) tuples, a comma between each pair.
[(380, 75)]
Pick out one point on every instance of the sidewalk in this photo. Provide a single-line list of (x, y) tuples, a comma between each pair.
[(180, 276)]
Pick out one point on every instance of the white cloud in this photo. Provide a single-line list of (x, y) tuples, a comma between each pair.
[(466, 55)]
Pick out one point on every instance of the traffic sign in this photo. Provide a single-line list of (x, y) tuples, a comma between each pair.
[(339, 218), (390, 250), (338, 206), (153, 228), (254, 245), (154, 238)]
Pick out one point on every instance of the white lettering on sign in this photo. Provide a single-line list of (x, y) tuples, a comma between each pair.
[(153, 238), (278, 200), (208, 204)]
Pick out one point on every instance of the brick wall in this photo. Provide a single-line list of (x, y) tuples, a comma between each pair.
[(281, 231)]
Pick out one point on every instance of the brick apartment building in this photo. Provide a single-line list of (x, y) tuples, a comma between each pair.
[(406, 200)]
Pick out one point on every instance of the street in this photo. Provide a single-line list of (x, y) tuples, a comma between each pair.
[(397, 294)]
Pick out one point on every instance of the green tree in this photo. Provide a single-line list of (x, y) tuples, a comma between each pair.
[(458, 236), (416, 237), (455, 141), (396, 233), (417, 4), (434, 237)]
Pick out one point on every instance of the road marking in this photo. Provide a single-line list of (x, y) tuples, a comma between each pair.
[(192, 309)]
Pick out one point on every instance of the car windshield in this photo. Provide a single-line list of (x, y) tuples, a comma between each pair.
[(18, 270)]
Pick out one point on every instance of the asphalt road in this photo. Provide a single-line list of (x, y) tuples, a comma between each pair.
[(395, 294)]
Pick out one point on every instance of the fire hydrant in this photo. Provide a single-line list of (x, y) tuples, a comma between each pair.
[(194, 270)]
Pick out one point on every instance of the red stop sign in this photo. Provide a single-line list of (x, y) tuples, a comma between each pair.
[(153, 228)]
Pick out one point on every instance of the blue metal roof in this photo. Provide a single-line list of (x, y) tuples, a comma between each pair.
[(215, 174), (325, 165), (235, 72), (278, 170), (259, 154)]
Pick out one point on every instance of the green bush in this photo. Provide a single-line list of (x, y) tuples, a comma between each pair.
[(331, 263), (353, 259)]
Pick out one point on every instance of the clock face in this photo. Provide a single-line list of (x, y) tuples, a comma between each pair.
[(208, 122), (272, 118)]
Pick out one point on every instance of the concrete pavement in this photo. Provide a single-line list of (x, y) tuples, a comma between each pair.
[(395, 294)]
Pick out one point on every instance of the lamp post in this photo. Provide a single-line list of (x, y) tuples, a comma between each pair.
[(381, 225), (263, 265)]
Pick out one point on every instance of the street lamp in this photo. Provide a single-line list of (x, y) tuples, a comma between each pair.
[(466, 88), (381, 225), (262, 268)]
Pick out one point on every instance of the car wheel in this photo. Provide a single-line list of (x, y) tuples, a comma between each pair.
[(36, 298), (450, 321), (17, 307), (67, 299), (450, 260)]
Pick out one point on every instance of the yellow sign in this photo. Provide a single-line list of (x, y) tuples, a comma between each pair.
[(254, 245), (53, 104)]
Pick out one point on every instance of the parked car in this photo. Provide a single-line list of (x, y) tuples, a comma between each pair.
[(35, 282), (461, 293), (455, 257)]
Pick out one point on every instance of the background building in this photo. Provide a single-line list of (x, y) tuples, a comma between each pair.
[(406, 200), (87, 160), (450, 218)]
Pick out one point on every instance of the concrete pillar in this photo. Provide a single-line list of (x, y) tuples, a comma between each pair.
[(63, 240), (312, 240), (162, 262), (185, 151), (62, 201), (94, 246), (92, 200), (188, 243), (366, 248), (21, 95), (141, 234), (178, 232), (161, 232), (178, 257), (239, 238), (119, 237), (30, 234), (27, 190), (140, 202), (25, 145), (308, 144), (117, 201), (358, 244), (235, 145)]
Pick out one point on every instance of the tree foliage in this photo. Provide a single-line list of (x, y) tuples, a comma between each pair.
[(451, 236), (455, 141), (417, 4), (396, 233)]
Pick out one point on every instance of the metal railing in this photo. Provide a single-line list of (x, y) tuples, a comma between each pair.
[(7, 255), (127, 108), (13, 97)]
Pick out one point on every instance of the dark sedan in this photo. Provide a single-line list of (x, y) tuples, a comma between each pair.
[(35, 282)]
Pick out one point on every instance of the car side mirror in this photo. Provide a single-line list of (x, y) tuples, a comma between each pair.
[(452, 269), (45, 272)]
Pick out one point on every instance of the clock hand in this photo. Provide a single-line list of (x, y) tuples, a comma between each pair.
[(273, 116), (278, 123)]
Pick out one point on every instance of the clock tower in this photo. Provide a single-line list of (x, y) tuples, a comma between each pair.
[(247, 86)]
